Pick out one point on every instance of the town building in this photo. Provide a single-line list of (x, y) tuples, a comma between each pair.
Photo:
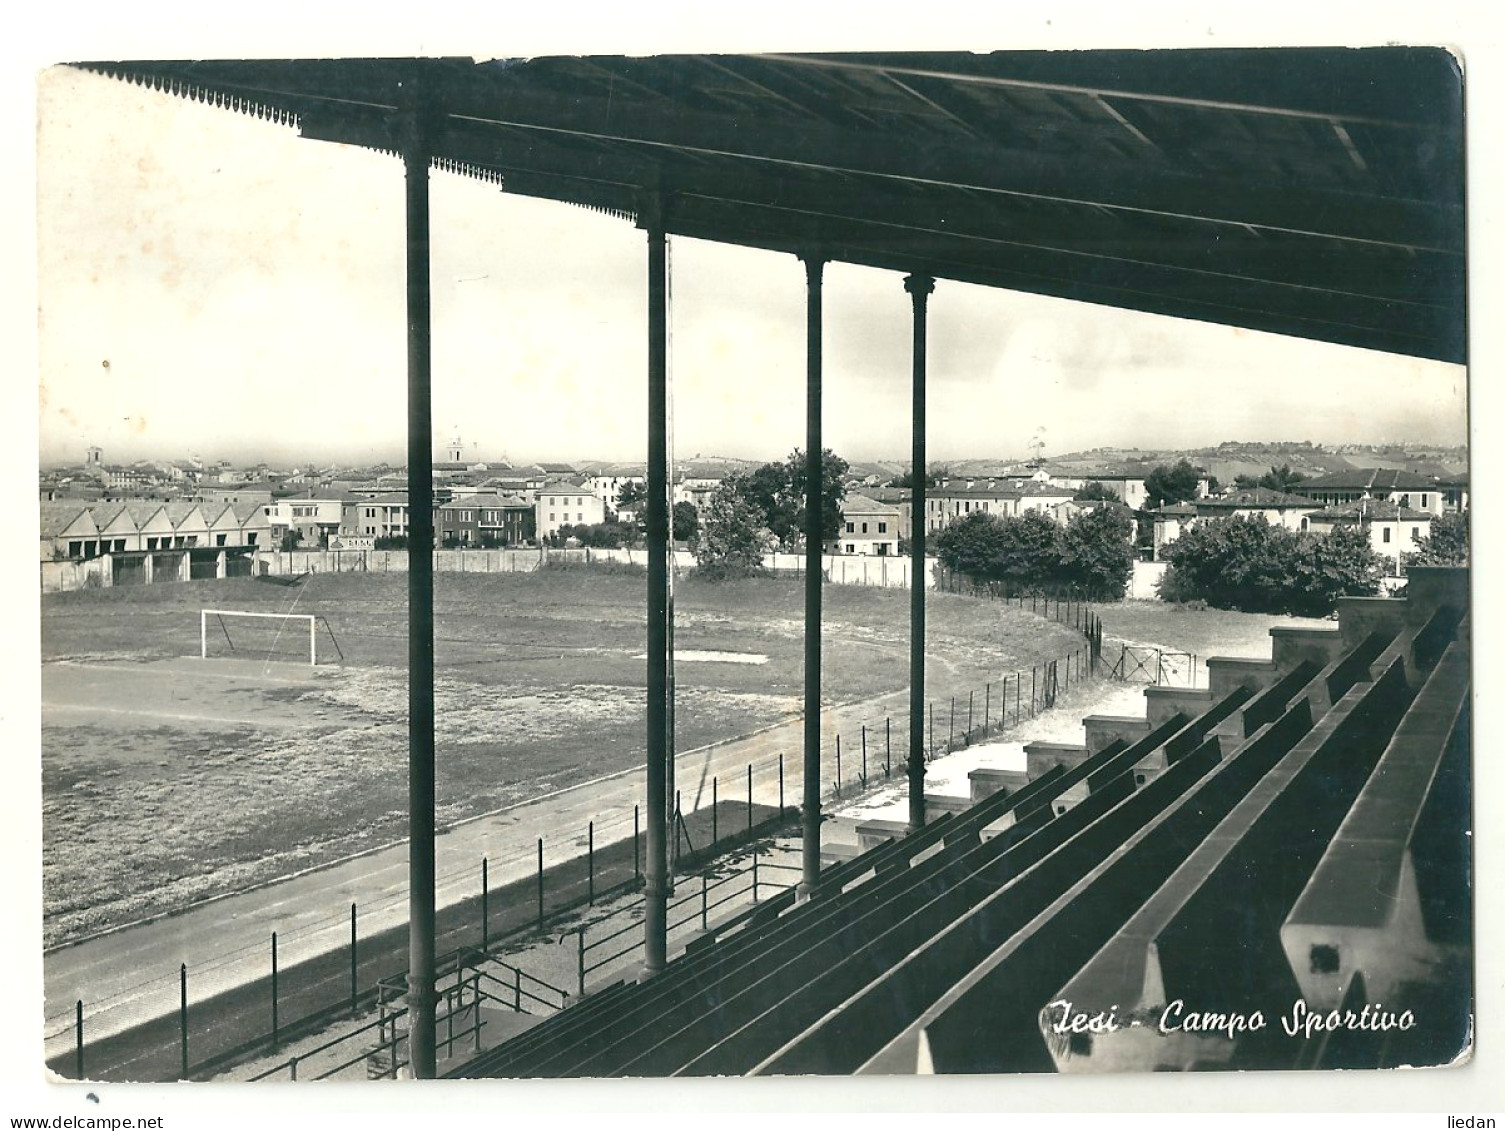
[(1279, 508), (1403, 488), (867, 527), (1393, 530), (566, 502)]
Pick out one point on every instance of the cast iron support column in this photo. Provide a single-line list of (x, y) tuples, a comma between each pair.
[(814, 474), (656, 888), (919, 288), (421, 997)]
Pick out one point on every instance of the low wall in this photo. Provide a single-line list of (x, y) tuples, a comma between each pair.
[(890, 573), (1147, 575), (61, 577)]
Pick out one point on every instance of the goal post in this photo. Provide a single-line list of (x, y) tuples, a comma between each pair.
[(220, 616)]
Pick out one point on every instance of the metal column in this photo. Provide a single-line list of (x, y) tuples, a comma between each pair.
[(814, 474), (656, 888), (919, 288), (421, 997)]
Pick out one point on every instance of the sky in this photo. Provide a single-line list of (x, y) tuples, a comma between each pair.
[(209, 284)]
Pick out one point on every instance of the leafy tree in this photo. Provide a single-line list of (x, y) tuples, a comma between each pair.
[(906, 481), (291, 540), (833, 473), (1024, 552), (1246, 563), (973, 545), (1095, 490), (1174, 484), (1447, 544), (602, 535), (1325, 567), (1232, 563), (776, 492), (1281, 478), (686, 521), (1246, 482), (631, 495), (732, 538), (1096, 552)]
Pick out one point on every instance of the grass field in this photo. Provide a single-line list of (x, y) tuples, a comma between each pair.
[(166, 779)]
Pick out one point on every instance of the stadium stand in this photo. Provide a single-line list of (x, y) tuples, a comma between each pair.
[(1272, 873)]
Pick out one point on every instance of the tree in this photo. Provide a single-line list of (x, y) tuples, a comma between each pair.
[(833, 473), (1231, 563), (732, 538), (1097, 556), (1246, 482), (1095, 490), (1247, 564), (906, 481), (1281, 478), (1174, 484), (776, 492), (1325, 567), (1026, 552), (974, 546), (631, 495), (291, 540), (1447, 544), (686, 521)]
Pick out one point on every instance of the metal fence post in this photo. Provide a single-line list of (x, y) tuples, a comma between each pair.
[(864, 755), (485, 897), (580, 964), (637, 870), (888, 747), (987, 707), (838, 765), (781, 784), (81, 1004), (749, 798), (354, 991), (540, 881), (704, 902), (951, 726), (930, 746), (590, 863), (715, 801), (78, 1013), (183, 1019), (1032, 684), (274, 989), (517, 989), (968, 737)]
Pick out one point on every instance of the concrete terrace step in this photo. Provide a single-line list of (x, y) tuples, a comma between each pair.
[(1389, 900), (1209, 934)]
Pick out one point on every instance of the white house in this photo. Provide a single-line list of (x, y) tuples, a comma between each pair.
[(867, 527), (566, 502)]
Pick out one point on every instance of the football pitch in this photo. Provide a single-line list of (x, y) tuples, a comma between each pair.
[(168, 778)]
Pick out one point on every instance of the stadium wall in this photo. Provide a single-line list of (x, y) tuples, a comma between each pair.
[(840, 570)]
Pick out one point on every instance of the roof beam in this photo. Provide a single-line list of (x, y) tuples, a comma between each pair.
[(995, 169), (1002, 81)]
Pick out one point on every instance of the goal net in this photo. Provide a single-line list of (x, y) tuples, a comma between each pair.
[(261, 636)]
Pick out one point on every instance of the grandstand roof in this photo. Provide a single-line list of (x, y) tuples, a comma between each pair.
[(1309, 192)]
